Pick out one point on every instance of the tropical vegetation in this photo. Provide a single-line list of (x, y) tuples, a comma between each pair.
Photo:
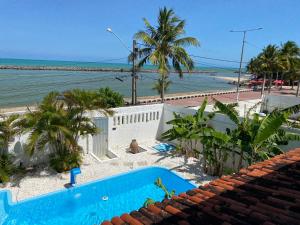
[(56, 127), (57, 124), (164, 46), (7, 133), (277, 61), (112, 99), (249, 140), (161, 84)]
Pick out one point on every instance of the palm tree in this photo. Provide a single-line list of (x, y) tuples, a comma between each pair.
[(58, 123), (290, 53), (270, 60), (164, 45), (256, 67), (160, 84), (78, 102), (48, 126), (7, 131)]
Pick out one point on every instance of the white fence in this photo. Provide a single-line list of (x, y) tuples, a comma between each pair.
[(144, 123)]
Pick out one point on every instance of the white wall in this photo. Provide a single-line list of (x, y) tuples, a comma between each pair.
[(137, 122), (272, 102), (144, 123)]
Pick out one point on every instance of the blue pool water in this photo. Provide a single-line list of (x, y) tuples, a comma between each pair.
[(164, 147), (84, 204)]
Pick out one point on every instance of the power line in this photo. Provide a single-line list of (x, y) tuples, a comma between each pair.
[(216, 59)]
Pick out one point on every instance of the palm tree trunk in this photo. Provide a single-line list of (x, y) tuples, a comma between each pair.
[(298, 85), (163, 89), (270, 83), (263, 85), (281, 81)]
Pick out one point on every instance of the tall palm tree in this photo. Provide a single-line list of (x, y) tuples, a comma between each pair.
[(290, 53), (270, 61), (164, 45), (297, 74), (161, 84), (257, 67)]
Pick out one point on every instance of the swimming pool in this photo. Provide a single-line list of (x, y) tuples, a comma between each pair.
[(164, 147), (91, 203)]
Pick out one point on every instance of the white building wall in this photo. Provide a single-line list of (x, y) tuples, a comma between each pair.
[(144, 123), (272, 102), (138, 122)]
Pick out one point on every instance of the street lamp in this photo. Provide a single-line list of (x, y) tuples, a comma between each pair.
[(133, 75), (241, 60)]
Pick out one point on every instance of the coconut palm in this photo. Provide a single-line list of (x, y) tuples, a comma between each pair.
[(270, 60), (164, 45), (297, 73), (290, 53), (256, 67), (160, 84)]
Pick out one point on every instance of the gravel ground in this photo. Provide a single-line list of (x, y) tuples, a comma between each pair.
[(43, 181)]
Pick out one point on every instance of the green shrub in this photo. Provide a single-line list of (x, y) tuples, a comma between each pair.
[(6, 167), (112, 99), (65, 161)]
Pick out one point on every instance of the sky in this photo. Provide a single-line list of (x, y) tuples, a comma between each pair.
[(76, 29)]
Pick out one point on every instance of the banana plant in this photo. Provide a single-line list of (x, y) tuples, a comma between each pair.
[(189, 130), (259, 138)]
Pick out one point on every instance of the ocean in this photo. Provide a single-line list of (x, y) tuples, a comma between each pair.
[(27, 87)]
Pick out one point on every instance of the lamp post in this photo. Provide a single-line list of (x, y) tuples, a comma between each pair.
[(241, 60), (133, 74)]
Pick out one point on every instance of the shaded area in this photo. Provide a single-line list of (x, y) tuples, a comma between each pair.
[(265, 193)]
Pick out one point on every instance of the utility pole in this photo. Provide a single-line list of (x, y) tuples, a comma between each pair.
[(133, 75), (241, 60)]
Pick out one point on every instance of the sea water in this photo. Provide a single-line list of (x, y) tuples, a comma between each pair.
[(26, 87)]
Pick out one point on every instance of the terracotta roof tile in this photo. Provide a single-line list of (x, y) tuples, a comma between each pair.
[(266, 193)]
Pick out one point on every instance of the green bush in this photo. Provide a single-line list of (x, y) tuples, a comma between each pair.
[(111, 98), (65, 161), (6, 167)]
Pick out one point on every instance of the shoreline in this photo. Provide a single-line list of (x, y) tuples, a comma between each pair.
[(142, 100), (233, 79)]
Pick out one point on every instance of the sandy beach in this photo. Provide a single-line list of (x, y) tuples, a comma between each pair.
[(232, 79)]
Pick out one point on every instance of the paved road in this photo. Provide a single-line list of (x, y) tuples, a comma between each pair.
[(228, 98)]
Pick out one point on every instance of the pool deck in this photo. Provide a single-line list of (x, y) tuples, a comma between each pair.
[(45, 180)]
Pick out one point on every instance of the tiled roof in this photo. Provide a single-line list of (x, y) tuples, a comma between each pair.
[(266, 193)]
